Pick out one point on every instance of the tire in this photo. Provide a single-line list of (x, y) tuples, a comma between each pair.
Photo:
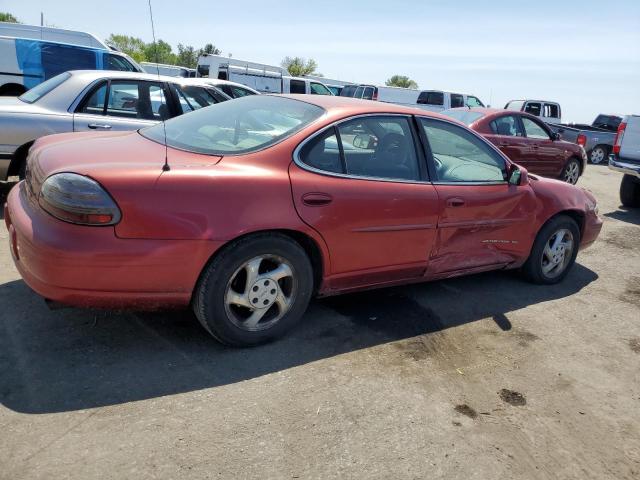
[(534, 268), (630, 191), (598, 154), (248, 272), (571, 172)]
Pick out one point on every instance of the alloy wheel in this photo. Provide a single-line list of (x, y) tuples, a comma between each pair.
[(572, 173), (557, 253), (260, 292), (597, 155)]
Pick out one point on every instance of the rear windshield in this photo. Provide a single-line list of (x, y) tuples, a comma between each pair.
[(463, 115), (39, 91), (243, 125)]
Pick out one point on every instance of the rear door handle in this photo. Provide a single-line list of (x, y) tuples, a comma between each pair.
[(455, 202), (99, 126), (534, 146), (316, 199)]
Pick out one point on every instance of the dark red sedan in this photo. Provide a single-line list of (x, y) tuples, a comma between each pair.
[(246, 209), (526, 140)]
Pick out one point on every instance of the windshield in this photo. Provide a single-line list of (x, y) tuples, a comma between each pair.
[(463, 115), (39, 91), (348, 91), (243, 125)]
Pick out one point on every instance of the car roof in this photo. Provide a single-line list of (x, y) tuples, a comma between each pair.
[(356, 105), (218, 81), (90, 75)]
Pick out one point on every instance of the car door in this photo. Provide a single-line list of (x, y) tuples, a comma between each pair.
[(484, 221), (122, 105), (508, 136), (362, 185), (545, 157)]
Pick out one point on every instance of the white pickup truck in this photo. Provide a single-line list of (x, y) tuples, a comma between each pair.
[(626, 159)]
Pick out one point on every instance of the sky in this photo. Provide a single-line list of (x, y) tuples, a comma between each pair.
[(583, 54)]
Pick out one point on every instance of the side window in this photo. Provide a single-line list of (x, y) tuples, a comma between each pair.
[(193, 98), (368, 93), (93, 104), (431, 98), (474, 101), (460, 156), (323, 153), (507, 126), (533, 108), (358, 93), (116, 62), (240, 92), (137, 100), (534, 130), (551, 110), (457, 100), (380, 147), (297, 86), (318, 89)]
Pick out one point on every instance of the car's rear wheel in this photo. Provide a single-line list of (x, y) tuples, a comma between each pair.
[(571, 172), (630, 191), (598, 155), (554, 251), (255, 290)]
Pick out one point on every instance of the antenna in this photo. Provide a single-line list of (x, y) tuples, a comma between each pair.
[(165, 167)]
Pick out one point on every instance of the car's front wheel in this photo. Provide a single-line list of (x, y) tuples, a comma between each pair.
[(255, 290), (571, 172), (554, 251)]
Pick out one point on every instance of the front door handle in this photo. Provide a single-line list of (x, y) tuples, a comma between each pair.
[(316, 199), (99, 126), (455, 202)]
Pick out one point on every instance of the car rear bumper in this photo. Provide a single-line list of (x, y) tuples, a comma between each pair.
[(625, 166), (92, 267)]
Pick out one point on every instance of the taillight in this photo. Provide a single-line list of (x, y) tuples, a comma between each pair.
[(617, 143), (78, 199), (582, 140)]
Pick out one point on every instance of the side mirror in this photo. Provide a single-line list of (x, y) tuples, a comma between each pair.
[(556, 136), (518, 175)]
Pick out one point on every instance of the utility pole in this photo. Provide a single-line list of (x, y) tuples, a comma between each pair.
[(42, 19)]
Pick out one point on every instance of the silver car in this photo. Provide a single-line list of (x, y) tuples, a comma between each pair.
[(81, 101)]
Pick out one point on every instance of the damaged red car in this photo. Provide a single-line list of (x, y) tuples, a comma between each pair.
[(247, 209)]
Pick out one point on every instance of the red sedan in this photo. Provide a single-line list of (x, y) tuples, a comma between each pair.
[(247, 209), (526, 140)]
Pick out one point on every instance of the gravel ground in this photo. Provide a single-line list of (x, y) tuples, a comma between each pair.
[(479, 377)]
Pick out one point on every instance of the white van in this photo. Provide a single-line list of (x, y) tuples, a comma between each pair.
[(432, 100), (59, 35), (25, 62), (547, 111), (260, 77), (439, 100), (168, 70)]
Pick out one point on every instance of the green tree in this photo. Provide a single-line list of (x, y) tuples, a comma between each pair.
[(132, 46), (210, 49), (401, 81), (298, 66), (7, 17), (160, 52), (187, 56)]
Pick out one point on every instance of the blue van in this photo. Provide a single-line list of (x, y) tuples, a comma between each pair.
[(26, 62)]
